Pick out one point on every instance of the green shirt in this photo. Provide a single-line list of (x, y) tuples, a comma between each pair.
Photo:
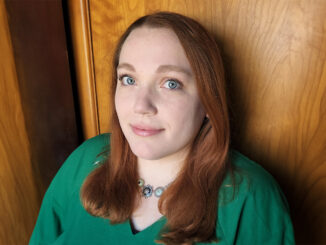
[(257, 214)]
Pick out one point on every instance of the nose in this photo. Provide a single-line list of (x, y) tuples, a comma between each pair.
[(145, 102)]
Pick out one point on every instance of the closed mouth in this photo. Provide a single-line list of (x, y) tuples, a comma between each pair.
[(142, 130)]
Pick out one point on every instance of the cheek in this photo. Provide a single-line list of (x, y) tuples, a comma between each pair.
[(186, 112), (122, 103)]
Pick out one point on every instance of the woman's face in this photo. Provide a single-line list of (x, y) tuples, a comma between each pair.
[(156, 96)]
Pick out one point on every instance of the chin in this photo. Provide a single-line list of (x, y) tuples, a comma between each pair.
[(147, 154)]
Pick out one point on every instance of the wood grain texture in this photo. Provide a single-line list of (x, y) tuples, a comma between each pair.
[(38, 124), (42, 66), (275, 53), (83, 57), (18, 192)]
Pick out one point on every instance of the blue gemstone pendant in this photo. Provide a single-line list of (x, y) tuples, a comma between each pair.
[(147, 191), (158, 191)]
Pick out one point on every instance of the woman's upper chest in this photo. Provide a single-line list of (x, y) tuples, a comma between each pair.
[(146, 213)]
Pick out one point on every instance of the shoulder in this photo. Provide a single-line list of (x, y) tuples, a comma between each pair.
[(250, 175), (247, 179), (96, 143), (61, 200), (89, 152), (80, 163), (250, 198)]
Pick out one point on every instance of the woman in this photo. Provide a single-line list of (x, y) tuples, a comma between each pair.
[(169, 176)]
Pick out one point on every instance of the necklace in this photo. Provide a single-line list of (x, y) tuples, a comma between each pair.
[(147, 190)]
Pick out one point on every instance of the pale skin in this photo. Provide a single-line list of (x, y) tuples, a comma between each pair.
[(156, 88)]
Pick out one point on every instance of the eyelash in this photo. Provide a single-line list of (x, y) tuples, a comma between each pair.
[(122, 76), (169, 79)]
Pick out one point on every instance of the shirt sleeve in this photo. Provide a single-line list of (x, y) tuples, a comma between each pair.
[(48, 226)]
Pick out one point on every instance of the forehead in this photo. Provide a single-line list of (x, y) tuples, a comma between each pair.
[(153, 45)]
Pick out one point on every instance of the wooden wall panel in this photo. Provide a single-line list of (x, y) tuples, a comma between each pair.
[(275, 54), (18, 193), (38, 126), (40, 51)]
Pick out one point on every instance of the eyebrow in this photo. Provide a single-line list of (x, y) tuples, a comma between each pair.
[(126, 66), (160, 69)]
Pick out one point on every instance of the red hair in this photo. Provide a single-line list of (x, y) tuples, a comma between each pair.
[(190, 202)]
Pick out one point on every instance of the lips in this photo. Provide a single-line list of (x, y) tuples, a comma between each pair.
[(143, 130)]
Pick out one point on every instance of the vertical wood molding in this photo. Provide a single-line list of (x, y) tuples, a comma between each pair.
[(84, 67)]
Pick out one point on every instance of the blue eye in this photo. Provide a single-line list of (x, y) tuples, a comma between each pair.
[(126, 80), (172, 84)]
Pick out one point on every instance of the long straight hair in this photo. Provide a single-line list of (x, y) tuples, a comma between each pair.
[(190, 202)]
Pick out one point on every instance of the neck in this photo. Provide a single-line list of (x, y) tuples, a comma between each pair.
[(160, 172)]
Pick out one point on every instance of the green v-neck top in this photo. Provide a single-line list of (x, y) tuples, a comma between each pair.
[(257, 213)]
